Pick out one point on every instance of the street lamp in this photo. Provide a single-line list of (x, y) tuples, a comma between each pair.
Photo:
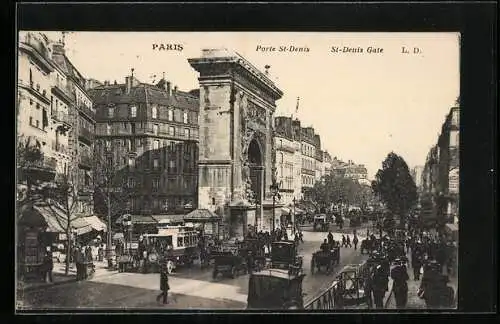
[(127, 225), (275, 193)]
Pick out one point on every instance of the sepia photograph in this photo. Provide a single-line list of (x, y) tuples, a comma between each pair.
[(237, 171)]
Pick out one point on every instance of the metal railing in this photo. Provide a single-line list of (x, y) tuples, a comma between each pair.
[(85, 133), (44, 163), (329, 299), (86, 110), (61, 116)]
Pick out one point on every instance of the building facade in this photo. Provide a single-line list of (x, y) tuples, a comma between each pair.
[(285, 146), (349, 169), (50, 96), (149, 134), (417, 175), (440, 174), (82, 114), (327, 163)]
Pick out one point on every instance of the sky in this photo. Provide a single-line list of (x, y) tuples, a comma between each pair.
[(363, 105)]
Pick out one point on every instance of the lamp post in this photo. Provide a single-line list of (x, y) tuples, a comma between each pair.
[(294, 201), (127, 224), (275, 193)]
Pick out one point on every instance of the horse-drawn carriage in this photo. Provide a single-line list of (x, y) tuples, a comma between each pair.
[(276, 289), (229, 264), (321, 222), (253, 248), (328, 258), (284, 255), (351, 286)]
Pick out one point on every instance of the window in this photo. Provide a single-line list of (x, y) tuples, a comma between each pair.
[(170, 115), (156, 164), (156, 145), (180, 241), (31, 77), (108, 144), (172, 165), (186, 132), (281, 156), (281, 143), (156, 184), (185, 117), (37, 123), (111, 112), (154, 112), (213, 201), (155, 129), (31, 121), (131, 182), (108, 129), (31, 102), (132, 128), (129, 144), (37, 105), (133, 111), (131, 162), (171, 131)]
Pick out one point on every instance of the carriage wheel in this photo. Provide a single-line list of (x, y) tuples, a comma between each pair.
[(170, 266)]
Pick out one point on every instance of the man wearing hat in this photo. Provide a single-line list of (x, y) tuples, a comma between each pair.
[(379, 286), (399, 275), (164, 286)]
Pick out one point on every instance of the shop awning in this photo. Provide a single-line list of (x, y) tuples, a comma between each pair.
[(452, 227), (167, 219), (138, 220), (202, 215), (54, 218), (96, 223), (285, 210)]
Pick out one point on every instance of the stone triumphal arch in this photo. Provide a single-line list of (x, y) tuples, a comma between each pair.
[(237, 105)]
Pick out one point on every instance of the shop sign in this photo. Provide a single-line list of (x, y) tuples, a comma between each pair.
[(453, 181)]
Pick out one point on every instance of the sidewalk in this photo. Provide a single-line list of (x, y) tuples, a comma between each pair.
[(414, 302), (59, 276)]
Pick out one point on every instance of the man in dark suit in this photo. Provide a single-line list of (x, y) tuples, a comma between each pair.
[(164, 286)]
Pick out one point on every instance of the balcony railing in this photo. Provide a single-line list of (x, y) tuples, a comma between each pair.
[(86, 110), (61, 117), (64, 89), (48, 163), (85, 134), (57, 147), (35, 89), (85, 159)]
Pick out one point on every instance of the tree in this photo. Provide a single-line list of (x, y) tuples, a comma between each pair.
[(395, 186), (111, 188), (332, 190), (61, 198)]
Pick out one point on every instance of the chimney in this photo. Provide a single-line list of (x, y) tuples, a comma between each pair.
[(169, 88)]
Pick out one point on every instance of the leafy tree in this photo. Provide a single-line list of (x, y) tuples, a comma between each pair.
[(395, 186), (61, 198), (332, 189)]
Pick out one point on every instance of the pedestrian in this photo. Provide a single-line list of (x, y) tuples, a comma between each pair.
[(399, 275), (100, 253), (164, 286), (355, 242), (48, 265), (416, 263), (329, 237), (344, 244), (348, 241), (285, 236), (379, 286), (79, 262)]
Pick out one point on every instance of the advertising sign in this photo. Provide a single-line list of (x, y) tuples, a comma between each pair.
[(453, 181)]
